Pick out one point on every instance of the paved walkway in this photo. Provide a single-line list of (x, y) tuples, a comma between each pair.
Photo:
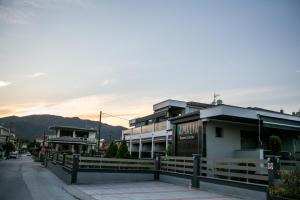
[(23, 179), (150, 190)]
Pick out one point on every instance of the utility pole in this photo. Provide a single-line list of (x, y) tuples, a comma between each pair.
[(44, 140), (99, 131)]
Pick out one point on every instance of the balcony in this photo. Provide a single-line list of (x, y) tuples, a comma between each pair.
[(68, 139), (155, 127)]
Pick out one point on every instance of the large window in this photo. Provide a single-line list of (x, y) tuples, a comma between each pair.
[(249, 140)]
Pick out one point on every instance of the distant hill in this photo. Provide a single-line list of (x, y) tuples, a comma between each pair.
[(32, 126)]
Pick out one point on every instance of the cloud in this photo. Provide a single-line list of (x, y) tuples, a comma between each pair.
[(4, 83), (23, 12), (36, 75), (109, 82)]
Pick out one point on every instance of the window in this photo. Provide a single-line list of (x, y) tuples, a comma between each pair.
[(249, 140), (219, 132)]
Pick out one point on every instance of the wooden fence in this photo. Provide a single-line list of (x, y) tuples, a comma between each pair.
[(244, 170), (238, 170), (68, 161), (115, 163), (181, 165), (289, 165)]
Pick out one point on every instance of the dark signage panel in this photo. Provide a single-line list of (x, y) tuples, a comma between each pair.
[(188, 138)]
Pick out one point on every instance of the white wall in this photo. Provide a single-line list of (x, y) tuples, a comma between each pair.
[(225, 146)]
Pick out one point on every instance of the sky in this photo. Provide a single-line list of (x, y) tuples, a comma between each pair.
[(77, 57)]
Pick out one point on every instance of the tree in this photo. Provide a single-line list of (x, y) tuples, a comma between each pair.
[(275, 144), (8, 147), (111, 150), (123, 150)]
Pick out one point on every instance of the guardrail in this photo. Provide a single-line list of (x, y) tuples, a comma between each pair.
[(114, 163)]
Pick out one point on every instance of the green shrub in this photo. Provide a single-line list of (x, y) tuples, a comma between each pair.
[(112, 150), (290, 185), (275, 144), (123, 150)]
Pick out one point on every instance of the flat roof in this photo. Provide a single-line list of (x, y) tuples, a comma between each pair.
[(169, 103), (249, 113), (55, 127), (236, 112)]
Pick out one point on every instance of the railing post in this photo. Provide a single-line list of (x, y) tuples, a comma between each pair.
[(46, 159), (64, 159), (196, 170), (273, 167), (157, 166), (75, 167)]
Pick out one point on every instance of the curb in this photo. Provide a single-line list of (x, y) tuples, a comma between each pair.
[(78, 194)]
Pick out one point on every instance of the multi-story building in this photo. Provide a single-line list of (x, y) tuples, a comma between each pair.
[(6, 135), (72, 139), (235, 132), (153, 133), (212, 130)]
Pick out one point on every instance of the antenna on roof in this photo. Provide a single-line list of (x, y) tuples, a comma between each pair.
[(215, 101)]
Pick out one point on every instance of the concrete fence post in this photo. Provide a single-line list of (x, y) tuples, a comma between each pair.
[(64, 159), (75, 167), (196, 170), (157, 166)]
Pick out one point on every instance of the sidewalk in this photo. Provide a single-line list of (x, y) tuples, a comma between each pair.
[(149, 190)]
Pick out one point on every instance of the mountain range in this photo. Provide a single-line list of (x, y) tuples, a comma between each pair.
[(33, 126)]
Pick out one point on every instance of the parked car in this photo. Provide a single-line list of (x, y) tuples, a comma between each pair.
[(13, 154)]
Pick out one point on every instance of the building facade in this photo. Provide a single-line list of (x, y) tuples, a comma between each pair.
[(72, 139), (212, 130), (153, 133), (6, 135), (234, 132)]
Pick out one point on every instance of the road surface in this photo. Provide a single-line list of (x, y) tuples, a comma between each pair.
[(23, 179)]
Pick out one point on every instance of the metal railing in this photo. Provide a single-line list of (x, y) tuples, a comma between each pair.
[(159, 126), (71, 136)]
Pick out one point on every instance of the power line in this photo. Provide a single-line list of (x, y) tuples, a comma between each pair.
[(116, 116)]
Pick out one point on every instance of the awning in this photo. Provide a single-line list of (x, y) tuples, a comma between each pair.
[(272, 122)]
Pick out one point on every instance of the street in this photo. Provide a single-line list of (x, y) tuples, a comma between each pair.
[(24, 179)]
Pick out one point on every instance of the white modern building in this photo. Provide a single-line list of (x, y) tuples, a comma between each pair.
[(153, 133), (212, 130), (225, 131)]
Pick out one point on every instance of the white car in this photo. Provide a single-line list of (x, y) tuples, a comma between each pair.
[(13, 154)]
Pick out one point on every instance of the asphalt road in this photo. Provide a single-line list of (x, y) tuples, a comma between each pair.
[(23, 179)]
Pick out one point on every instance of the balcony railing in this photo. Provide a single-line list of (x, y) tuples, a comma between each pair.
[(160, 126), (81, 138)]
